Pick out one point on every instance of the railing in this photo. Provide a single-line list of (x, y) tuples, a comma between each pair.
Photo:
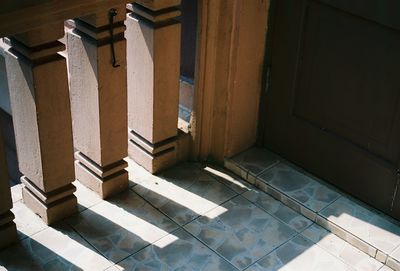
[(122, 75)]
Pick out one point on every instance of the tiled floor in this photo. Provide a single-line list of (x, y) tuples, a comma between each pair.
[(365, 228), (192, 217)]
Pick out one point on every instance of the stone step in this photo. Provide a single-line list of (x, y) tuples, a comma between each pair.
[(358, 224)]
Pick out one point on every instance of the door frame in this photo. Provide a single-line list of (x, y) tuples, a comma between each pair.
[(228, 77)]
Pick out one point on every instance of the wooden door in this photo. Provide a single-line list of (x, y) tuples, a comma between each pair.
[(333, 105)]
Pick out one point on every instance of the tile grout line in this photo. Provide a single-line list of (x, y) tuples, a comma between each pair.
[(148, 202), (129, 190), (148, 245), (222, 203), (196, 217), (236, 167), (284, 243), (182, 227), (158, 209), (294, 200), (239, 195), (349, 233), (216, 252), (277, 218), (320, 211), (318, 215), (268, 168), (281, 199), (65, 222), (215, 178), (328, 251), (87, 241)]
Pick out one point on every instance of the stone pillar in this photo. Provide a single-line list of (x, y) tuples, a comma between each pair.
[(153, 54), (8, 231), (38, 84), (98, 89)]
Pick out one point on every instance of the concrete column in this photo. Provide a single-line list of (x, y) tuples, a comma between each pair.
[(38, 84), (98, 89), (153, 54), (8, 231)]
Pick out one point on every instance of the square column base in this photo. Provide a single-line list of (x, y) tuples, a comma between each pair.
[(105, 181), (53, 212), (153, 157)]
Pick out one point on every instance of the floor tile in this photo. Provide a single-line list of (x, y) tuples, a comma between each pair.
[(286, 200), (16, 192), (274, 207), (28, 223), (137, 174), (86, 197), (121, 226), (395, 258), (341, 249), (302, 188), (237, 170), (185, 192), (113, 268), (233, 181), (236, 223), (57, 248), (240, 232), (393, 263), (300, 254), (364, 224), (181, 251), (255, 160), (386, 268), (184, 113)]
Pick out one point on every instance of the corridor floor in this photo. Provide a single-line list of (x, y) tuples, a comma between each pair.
[(191, 217)]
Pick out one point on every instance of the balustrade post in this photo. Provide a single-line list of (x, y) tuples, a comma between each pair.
[(153, 54), (38, 85), (8, 231), (98, 88)]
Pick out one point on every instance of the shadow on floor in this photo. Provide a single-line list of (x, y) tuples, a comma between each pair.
[(191, 217)]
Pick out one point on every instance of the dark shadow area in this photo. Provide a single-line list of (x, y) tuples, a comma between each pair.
[(189, 19), (30, 255), (126, 224), (10, 147), (299, 252), (121, 226), (129, 223), (190, 181)]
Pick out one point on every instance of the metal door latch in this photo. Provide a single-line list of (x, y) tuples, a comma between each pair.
[(111, 14)]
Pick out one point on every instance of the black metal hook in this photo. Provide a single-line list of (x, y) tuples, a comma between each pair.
[(111, 14)]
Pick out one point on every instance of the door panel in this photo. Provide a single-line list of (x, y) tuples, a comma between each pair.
[(385, 12), (333, 104)]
